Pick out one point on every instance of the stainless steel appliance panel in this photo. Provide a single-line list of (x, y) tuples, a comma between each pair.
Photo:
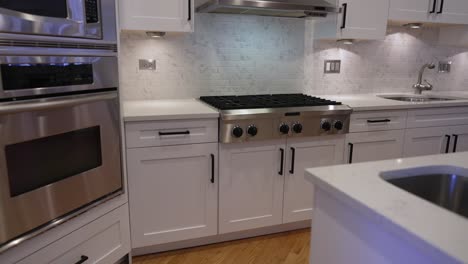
[(24, 207)]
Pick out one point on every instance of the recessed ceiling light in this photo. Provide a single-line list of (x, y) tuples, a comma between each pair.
[(155, 34), (346, 41), (413, 25)]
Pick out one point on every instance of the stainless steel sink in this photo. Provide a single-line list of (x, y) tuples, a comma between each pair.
[(417, 99), (449, 191)]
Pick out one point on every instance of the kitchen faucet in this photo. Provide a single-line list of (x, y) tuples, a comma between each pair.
[(426, 86)]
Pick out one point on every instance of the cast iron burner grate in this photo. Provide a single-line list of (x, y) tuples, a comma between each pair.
[(265, 101)]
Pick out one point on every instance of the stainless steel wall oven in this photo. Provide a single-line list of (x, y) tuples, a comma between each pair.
[(59, 140)]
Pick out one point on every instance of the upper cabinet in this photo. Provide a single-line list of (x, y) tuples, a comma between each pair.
[(157, 15), (357, 19), (434, 11)]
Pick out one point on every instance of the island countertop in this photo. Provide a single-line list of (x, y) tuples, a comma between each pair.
[(408, 216)]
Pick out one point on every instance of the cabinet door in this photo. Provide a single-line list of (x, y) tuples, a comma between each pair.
[(363, 19), (427, 141), (302, 154), (157, 15), (414, 10), (452, 11), (251, 185), (172, 193), (373, 146)]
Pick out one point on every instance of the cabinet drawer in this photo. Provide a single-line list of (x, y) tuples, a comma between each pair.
[(105, 240), (377, 121), (438, 117), (163, 133)]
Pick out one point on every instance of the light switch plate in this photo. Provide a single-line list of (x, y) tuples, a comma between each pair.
[(147, 64), (332, 66)]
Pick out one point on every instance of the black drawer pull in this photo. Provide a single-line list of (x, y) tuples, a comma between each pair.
[(281, 162), (212, 168), (345, 10), (455, 143), (351, 150), (441, 7), (448, 143), (189, 10), (434, 3), (293, 160), (174, 133), (82, 260), (379, 121)]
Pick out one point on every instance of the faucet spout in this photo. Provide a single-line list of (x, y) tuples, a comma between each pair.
[(419, 86)]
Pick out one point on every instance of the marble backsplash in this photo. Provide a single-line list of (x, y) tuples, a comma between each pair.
[(230, 54)]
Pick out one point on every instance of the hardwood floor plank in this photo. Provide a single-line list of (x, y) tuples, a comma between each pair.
[(284, 248)]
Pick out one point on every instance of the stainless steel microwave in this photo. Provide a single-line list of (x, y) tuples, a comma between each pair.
[(60, 150), (58, 18)]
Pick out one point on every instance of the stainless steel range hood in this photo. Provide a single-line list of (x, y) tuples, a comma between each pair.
[(277, 8)]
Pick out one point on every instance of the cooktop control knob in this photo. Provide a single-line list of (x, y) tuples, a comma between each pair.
[(252, 130), (325, 125), (338, 125), (237, 131), (284, 129), (297, 128)]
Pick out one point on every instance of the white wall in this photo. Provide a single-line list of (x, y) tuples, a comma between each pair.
[(231, 54)]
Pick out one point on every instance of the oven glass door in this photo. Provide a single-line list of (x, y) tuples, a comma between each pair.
[(61, 18), (58, 155)]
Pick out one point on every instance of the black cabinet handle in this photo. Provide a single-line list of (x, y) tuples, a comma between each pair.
[(441, 9), (351, 150), (345, 11), (212, 168), (174, 133), (448, 143), (282, 162), (434, 4), (455, 143), (189, 18), (293, 160), (82, 260), (379, 121)]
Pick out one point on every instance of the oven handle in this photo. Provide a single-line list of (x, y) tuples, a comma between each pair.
[(50, 103)]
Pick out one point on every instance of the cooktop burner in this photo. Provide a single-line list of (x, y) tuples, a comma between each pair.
[(265, 101)]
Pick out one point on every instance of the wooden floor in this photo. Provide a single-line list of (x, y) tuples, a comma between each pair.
[(285, 248)]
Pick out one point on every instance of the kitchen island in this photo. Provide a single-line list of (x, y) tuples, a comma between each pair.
[(359, 217)]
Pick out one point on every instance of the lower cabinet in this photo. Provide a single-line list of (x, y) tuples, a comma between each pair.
[(435, 140), (173, 193), (263, 184), (251, 185), (105, 240), (303, 154), (373, 146)]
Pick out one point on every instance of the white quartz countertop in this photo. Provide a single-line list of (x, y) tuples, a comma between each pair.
[(149, 110), (429, 226), (369, 102)]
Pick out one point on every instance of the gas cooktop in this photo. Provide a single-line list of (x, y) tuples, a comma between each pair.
[(248, 118), (265, 101)]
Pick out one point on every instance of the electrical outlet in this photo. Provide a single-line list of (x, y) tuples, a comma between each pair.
[(145, 64), (332, 66)]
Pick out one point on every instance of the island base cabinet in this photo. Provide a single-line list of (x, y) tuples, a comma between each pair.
[(302, 154), (373, 146), (173, 193), (250, 185)]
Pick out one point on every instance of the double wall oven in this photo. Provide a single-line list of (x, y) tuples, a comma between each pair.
[(60, 151)]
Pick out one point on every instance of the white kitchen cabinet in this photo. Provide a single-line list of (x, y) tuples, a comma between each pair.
[(157, 15), (435, 140), (434, 11), (372, 146), (251, 185), (173, 193), (357, 19), (302, 154)]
